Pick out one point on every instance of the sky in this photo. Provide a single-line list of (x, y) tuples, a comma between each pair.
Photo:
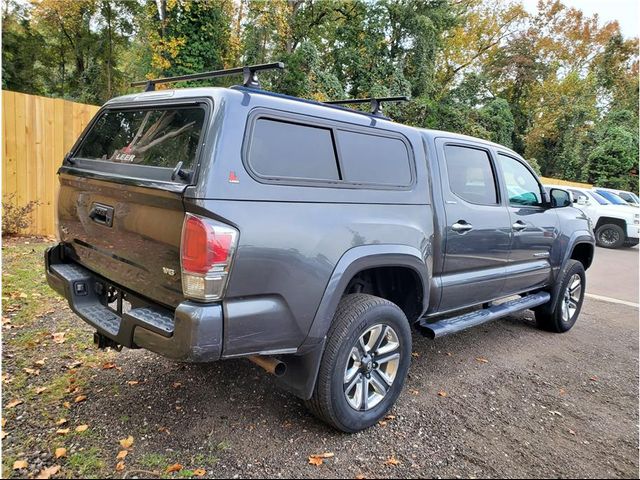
[(626, 12)]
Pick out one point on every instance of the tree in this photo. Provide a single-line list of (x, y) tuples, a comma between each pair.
[(616, 151)]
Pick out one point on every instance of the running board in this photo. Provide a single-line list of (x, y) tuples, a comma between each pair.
[(451, 325)]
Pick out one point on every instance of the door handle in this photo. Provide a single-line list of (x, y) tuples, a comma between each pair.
[(461, 226), (519, 225)]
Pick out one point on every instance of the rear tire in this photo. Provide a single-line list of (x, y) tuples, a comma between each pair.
[(610, 236), (570, 287), (364, 364)]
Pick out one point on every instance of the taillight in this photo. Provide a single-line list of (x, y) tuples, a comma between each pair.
[(206, 253)]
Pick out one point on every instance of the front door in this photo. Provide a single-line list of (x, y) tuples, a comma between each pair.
[(535, 227), (478, 228)]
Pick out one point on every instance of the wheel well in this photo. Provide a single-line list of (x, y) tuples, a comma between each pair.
[(583, 252), (400, 285), (609, 220)]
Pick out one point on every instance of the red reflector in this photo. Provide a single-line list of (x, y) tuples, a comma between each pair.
[(204, 245)]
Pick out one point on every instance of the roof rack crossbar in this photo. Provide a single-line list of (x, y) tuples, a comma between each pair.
[(249, 73), (376, 107)]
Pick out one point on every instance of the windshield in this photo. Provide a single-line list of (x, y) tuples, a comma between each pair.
[(612, 197), (157, 137), (628, 197)]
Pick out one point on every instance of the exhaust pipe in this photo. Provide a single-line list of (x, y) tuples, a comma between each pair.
[(270, 364)]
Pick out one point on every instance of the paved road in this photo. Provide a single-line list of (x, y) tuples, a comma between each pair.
[(614, 274)]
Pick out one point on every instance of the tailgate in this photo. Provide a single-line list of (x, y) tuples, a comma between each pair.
[(120, 206), (127, 234)]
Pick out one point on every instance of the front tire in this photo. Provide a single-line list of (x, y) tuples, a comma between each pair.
[(610, 236), (364, 364), (570, 286)]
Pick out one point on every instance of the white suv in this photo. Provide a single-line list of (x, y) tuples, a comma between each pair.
[(614, 225)]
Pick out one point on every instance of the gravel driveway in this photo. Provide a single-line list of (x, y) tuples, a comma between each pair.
[(502, 400)]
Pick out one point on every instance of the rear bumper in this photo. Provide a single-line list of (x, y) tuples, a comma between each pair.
[(192, 333)]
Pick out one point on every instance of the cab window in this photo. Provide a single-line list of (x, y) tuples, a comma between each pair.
[(522, 187)]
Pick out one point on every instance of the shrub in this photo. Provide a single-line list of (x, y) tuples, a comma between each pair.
[(16, 218)]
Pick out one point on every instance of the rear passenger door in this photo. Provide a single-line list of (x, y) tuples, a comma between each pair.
[(534, 225), (477, 232)]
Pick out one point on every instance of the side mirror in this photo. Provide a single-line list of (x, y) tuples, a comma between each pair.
[(582, 200), (560, 198)]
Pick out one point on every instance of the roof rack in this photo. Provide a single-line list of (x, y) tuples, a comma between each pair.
[(249, 72), (376, 108)]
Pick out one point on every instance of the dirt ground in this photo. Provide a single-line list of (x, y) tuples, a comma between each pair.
[(502, 400)]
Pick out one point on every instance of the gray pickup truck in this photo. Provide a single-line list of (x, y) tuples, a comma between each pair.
[(206, 224)]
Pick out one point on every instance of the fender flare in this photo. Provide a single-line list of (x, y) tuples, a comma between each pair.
[(302, 369)]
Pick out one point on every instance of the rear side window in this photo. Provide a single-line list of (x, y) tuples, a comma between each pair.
[(471, 175), (290, 150), (156, 137), (373, 159)]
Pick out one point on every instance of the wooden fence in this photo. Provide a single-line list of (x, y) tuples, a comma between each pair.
[(36, 134)]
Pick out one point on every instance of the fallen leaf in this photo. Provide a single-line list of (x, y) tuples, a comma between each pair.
[(482, 360), (392, 461), (119, 466), (49, 472), (122, 454), (3, 435), (133, 382), (449, 354), (62, 431), (82, 428), (75, 364), (58, 337), (382, 423), (108, 366), (390, 417), (414, 392), (415, 354), (13, 403), (126, 442), (66, 405), (39, 363), (360, 476), (594, 379), (61, 452), (80, 398), (176, 467), (317, 459), (62, 421), (32, 371), (199, 472), (177, 385), (165, 430), (39, 390), (4, 422), (442, 393), (571, 432), (20, 464), (562, 391)]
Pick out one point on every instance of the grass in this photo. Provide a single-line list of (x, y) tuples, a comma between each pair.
[(24, 285), (86, 463), (153, 461)]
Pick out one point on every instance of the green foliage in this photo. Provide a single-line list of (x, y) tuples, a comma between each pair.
[(616, 151), (544, 84)]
